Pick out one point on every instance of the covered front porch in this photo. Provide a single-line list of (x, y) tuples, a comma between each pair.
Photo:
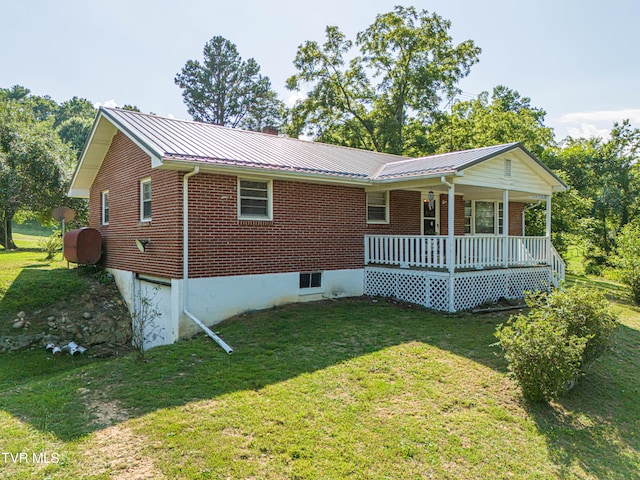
[(468, 242)]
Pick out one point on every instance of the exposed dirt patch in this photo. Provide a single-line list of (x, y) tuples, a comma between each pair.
[(121, 455), (106, 412)]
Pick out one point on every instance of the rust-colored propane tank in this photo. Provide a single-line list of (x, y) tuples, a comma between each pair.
[(83, 246)]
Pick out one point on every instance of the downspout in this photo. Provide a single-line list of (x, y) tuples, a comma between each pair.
[(185, 263)]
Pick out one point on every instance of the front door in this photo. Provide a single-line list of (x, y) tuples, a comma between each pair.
[(430, 215)]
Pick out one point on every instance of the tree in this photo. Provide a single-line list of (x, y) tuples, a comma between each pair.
[(406, 63), (226, 90), (605, 172), (73, 121), (506, 117), (34, 165)]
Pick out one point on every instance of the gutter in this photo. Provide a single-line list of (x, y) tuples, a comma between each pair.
[(185, 263)]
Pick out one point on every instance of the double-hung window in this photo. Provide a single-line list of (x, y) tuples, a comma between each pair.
[(145, 200), (254, 199), (378, 207), (105, 207), (483, 218)]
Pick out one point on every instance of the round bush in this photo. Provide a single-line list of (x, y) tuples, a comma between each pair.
[(556, 342)]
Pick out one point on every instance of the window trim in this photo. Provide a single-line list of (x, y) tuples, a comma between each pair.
[(143, 182), (264, 218), (470, 217), (496, 219), (104, 218), (386, 209), (311, 290)]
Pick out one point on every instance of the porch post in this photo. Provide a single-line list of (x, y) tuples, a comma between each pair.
[(505, 228), (548, 228), (451, 248)]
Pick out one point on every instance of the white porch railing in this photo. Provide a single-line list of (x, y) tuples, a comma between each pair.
[(405, 250), (558, 267), (477, 251)]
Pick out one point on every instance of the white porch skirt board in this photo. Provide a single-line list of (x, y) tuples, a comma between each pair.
[(431, 289)]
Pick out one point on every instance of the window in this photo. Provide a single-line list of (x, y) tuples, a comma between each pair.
[(311, 280), (105, 207), (483, 218), (145, 200), (254, 199), (377, 207), (468, 216)]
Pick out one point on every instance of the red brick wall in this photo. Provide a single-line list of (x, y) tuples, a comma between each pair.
[(121, 171), (458, 223), (516, 210), (314, 227), (404, 215)]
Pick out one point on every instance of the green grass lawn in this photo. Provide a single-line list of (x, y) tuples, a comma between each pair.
[(336, 389)]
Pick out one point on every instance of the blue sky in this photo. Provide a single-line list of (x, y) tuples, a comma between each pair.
[(579, 60)]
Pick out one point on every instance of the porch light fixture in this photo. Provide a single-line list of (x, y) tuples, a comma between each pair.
[(431, 197), (142, 244)]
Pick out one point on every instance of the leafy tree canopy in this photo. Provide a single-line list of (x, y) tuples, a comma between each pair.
[(504, 118), (606, 172), (388, 91), (38, 143), (224, 89), (34, 166)]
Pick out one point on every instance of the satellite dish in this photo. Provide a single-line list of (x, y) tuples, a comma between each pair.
[(63, 213), (142, 244)]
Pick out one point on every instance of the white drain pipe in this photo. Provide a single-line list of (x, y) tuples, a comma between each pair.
[(185, 263)]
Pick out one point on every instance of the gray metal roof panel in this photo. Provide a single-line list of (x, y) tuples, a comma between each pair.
[(182, 140), (195, 141)]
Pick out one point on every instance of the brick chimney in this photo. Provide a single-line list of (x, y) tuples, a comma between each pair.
[(270, 130)]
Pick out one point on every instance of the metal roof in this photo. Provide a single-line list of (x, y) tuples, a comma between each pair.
[(173, 139), (442, 163)]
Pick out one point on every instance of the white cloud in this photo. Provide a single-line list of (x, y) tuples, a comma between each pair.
[(596, 123), (171, 115), (109, 104), (609, 116), (587, 130)]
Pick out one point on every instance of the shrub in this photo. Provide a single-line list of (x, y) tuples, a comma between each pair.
[(557, 341), (51, 245), (587, 314), (541, 357)]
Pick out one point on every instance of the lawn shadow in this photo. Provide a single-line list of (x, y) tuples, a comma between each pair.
[(596, 426), (45, 286), (277, 345), (269, 347)]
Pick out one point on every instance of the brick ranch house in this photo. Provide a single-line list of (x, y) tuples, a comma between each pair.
[(233, 220)]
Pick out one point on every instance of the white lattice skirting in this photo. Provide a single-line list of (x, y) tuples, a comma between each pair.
[(470, 289)]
